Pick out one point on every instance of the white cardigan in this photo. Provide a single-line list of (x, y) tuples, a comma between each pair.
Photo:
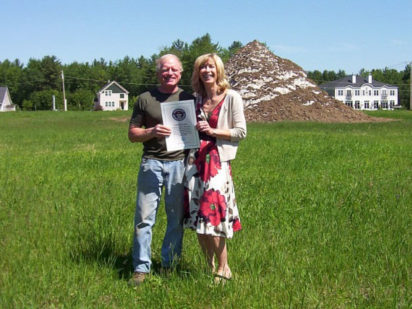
[(231, 117)]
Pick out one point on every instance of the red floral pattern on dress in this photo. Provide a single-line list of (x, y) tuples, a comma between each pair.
[(236, 225), (210, 203), (208, 162), (212, 207)]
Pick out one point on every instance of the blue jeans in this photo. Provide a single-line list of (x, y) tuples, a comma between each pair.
[(153, 176)]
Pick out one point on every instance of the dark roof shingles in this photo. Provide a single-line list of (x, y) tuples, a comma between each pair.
[(3, 91), (347, 81)]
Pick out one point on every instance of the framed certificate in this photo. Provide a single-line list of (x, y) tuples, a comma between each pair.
[(180, 116)]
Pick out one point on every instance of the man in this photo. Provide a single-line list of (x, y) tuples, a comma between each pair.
[(159, 169)]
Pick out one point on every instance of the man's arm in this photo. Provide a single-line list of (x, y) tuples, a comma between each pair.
[(140, 135)]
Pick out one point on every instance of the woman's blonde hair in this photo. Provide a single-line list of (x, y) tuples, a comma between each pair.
[(221, 79)]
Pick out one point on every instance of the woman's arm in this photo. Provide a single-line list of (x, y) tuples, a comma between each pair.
[(238, 131)]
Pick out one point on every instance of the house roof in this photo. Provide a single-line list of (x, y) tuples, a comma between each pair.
[(360, 81), (110, 83), (3, 91)]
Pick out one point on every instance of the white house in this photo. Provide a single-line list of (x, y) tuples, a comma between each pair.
[(361, 93), (112, 97), (6, 105)]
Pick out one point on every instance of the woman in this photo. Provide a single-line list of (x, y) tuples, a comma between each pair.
[(210, 207)]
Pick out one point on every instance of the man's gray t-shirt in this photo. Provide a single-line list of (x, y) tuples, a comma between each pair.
[(147, 113)]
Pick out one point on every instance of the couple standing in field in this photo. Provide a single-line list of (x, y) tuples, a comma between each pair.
[(198, 185)]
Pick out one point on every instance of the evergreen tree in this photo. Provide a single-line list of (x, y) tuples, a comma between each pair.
[(31, 86)]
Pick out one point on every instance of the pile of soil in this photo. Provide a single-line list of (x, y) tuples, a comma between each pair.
[(275, 89)]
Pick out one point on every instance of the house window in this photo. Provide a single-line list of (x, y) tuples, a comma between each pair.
[(357, 104), (366, 104), (375, 104), (392, 103), (122, 96), (392, 92), (348, 93), (349, 103), (108, 93), (384, 104), (376, 92), (357, 92), (370, 92)]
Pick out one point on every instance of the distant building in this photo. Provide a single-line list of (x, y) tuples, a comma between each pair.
[(361, 93), (112, 97), (6, 105)]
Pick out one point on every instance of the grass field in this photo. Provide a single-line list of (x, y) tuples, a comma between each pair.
[(325, 209)]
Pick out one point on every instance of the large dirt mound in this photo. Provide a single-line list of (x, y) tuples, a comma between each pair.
[(276, 89)]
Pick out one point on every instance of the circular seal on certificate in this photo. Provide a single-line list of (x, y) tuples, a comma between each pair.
[(179, 114)]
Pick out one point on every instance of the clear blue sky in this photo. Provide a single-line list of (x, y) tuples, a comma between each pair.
[(331, 35)]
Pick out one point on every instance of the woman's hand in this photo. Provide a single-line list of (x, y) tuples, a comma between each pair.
[(203, 126)]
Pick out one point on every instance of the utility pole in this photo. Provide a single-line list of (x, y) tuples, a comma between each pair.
[(410, 85), (64, 94)]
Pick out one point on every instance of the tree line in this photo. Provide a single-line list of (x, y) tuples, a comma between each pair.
[(32, 85)]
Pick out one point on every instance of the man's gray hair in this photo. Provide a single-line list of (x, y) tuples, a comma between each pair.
[(160, 60)]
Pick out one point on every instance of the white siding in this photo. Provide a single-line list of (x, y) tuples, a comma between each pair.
[(110, 101), (358, 97), (7, 105)]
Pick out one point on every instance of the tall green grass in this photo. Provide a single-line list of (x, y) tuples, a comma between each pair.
[(325, 210)]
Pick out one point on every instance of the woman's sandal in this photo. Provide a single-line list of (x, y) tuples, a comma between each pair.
[(222, 277)]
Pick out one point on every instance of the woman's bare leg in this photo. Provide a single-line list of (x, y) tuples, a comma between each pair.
[(220, 249), (207, 247)]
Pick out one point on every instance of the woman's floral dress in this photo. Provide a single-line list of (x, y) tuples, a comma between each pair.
[(210, 203)]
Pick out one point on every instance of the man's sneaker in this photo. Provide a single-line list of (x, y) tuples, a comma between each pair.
[(137, 279)]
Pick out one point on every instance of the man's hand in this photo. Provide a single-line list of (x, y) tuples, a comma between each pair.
[(137, 134), (160, 131)]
